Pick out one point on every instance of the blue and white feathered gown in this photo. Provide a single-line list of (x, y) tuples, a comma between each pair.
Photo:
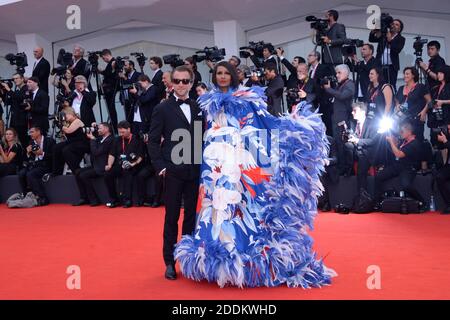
[(258, 195)]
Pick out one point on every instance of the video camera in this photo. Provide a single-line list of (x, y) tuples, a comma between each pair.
[(385, 22), (345, 132), (19, 60), (173, 60), (418, 47), (213, 54), (65, 60), (254, 71), (120, 63), (140, 58), (93, 58), (91, 130), (332, 79), (320, 25), (257, 48), (349, 49), (126, 161)]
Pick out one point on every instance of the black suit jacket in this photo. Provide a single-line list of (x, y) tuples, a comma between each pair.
[(39, 110), (168, 117), (159, 85), (87, 108), (42, 72), (338, 36), (100, 152), (362, 69), (81, 69), (367, 139), (396, 46), (274, 94), (343, 98), (18, 113), (292, 80), (147, 102), (48, 146)]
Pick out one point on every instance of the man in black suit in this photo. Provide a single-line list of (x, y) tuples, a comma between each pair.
[(110, 85), (268, 56), (129, 77), (362, 69), (435, 63), (100, 149), (39, 162), (16, 99), (304, 88), (330, 177), (156, 64), (84, 101), (334, 40), (342, 106), (145, 101), (274, 91), (360, 144), (292, 68), (388, 50), (80, 66), (318, 71), (38, 108), (41, 68), (181, 174)]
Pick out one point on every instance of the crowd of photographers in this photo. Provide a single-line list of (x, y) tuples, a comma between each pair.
[(374, 127)]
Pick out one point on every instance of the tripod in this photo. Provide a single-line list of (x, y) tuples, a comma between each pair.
[(422, 78), (94, 73)]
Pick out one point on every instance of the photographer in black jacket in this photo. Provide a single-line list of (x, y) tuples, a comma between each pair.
[(110, 82), (124, 161), (100, 147), (304, 89), (37, 107), (432, 67), (443, 175), (292, 68), (129, 77), (274, 91), (38, 163), (333, 41), (83, 101)]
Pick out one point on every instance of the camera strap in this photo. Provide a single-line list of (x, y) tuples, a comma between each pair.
[(440, 90), (123, 143), (409, 92), (404, 144)]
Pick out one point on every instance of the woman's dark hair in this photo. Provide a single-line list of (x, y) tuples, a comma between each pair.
[(157, 60), (192, 61), (201, 85), (446, 71), (234, 77), (379, 72), (414, 72), (402, 26)]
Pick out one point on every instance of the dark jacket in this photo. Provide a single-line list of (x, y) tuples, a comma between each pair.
[(42, 72), (168, 117), (146, 103), (159, 85), (87, 108), (18, 113), (396, 46), (100, 152), (48, 146), (39, 110), (367, 139), (81, 69), (362, 70), (338, 36), (274, 93), (343, 98)]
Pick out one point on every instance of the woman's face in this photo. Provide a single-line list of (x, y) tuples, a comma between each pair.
[(188, 64), (200, 91), (223, 77), (440, 76), (408, 76), (9, 135), (70, 117), (68, 74), (373, 76)]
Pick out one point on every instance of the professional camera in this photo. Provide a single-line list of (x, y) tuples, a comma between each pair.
[(350, 47), (332, 79), (65, 60), (91, 130), (140, 58), (213, 54), (143, 136), (20, 60), (418, 47), (254, 71), (256, 47), (93, 58), (441, 129), (35, 147), (127, 86), (402, 113), (345, 132), (371, 111), (173, 60), (126, 161), (60, 119), (120, 63), (385, 22), (320, 25)]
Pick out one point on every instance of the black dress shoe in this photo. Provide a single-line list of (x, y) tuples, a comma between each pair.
[(127, 204), (139, 204), (147, 204), (81, 202), (326, 207), (43, 202), (170, 272), (94, 204), (156, 204), (112, 204)]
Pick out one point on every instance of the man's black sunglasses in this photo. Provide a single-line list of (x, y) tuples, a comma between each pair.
[(184, 81)]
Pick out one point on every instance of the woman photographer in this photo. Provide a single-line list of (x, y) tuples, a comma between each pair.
[(381, 94), (65, 84), (10, 153), (73, 149)]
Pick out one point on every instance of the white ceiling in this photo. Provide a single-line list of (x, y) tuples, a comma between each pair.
[(48, 17)]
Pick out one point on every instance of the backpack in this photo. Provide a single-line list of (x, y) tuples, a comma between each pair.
[(363, 202)]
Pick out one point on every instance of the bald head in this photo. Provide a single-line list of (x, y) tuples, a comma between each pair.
[(38, 52)]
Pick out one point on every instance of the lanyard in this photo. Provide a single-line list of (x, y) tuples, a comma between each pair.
[(123, 143), (375, 93), (409, 92), (440, 90), (406, 143), (303, 86)]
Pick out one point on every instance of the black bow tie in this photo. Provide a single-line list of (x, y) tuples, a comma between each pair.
[(187, 101)]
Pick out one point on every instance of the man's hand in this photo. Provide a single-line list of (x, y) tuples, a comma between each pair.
[(327, 85), (389, 36), (107, 167), (5, 86), (442, 137), (326, 40), (353, 140), (132, 90), (423, 115), (391, 139), (28, 108), (302, 94), (38, 152), (163, 172), (439, 103), (90, 136), (423, 66), (280, 52), (29, 149), (122, 75)]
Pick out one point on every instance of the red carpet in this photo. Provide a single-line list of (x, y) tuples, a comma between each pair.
[(119, 253)]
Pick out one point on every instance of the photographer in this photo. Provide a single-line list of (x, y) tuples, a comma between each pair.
[(360, 144), (333, 40), (100, 147), (201, 89), (413, 99), (304, 89), (267, 56), (129, 77), (146, 99), (10, 153), (292, 68), (390, 44), (124, 161), (380, 94), (80, 66), (362, 69), (110, 79), (274, 90), (83, 101), (16, 98), (72, 150), (37, 108), (65, 84), (408, 157), (436, 62), (167, 81), (156, 64), (41, 68), (342, 106), (38, 163), (191, 64), (443, 175)]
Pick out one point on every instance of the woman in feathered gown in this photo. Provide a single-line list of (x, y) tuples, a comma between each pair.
[(258, 192)]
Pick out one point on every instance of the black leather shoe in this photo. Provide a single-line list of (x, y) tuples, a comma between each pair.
[(377, 207), (112, 204), (170, 274), (81, 202), (326, 207), (43, 202), (156, 204), (127, 204)]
